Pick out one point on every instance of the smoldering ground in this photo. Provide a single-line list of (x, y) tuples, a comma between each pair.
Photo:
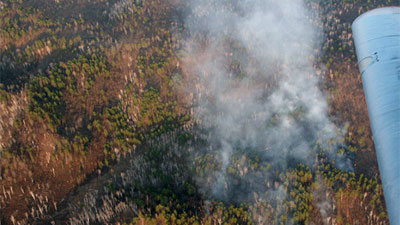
[(257, 91), (254, 81)]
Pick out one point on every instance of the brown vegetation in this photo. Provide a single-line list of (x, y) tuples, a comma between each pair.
[(124, 87)]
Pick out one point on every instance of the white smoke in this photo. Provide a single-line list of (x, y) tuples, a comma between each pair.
[(256, 83)]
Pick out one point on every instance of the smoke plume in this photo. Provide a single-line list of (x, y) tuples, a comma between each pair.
[(257, 91)]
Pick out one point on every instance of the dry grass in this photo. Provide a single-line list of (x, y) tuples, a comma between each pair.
[(348, 104)]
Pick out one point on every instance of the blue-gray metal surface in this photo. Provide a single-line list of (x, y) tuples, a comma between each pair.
[(377, 40)]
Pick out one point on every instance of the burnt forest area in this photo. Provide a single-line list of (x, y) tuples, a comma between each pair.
[(163, 112)]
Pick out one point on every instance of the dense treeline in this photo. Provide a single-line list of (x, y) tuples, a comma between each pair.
[(96, 124)]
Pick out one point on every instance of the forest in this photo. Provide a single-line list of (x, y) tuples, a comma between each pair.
[(184, 112)]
